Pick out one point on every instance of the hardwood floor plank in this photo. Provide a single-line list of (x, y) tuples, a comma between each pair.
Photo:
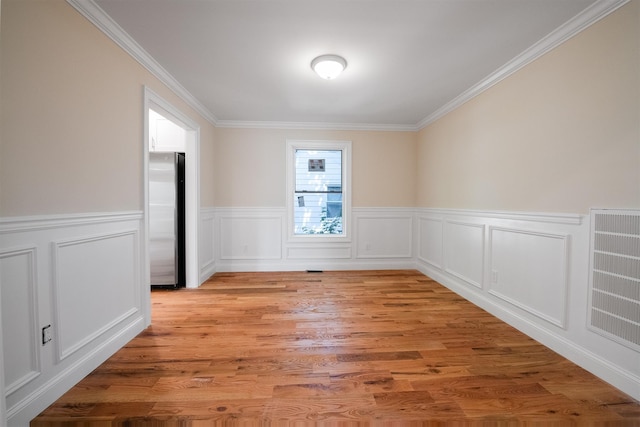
[(211, 409), (352, 348), (304, 411), (398, 355)]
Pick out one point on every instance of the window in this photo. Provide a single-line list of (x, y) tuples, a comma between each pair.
[(318, 188)]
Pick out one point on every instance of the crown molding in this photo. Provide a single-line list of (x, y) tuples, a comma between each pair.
[(315, 126), (90, 10), (575, 25), (598, 10)]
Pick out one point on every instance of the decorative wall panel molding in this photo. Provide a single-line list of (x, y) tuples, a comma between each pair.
[(110, 262), (81, 274), (464, 251), (484, 216), (430, 238), (250, 237), (207, 243), (529, 270), (253, 239), (19, 317), (384, 235)]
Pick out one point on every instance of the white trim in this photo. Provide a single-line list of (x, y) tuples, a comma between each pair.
[(418, 251), (391, 216), (90, 10), (192, 158), (56, 246), (565, 238), (208, 266), (555, 218), (36, 367), (268, 222), (46, 222), (575, 25), (345, 147), (446, 250)]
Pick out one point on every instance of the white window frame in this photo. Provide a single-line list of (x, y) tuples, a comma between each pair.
[(345, 147)]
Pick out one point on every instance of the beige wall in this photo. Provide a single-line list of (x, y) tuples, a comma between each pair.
[(72, 116), (250, 167), (561, 135)]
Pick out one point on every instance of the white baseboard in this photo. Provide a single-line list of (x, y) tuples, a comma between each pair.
[(29, 407), (325, 265)]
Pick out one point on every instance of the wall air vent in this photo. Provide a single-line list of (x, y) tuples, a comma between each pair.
[(614, 276)]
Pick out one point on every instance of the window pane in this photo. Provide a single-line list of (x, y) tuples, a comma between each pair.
[(318, 192)]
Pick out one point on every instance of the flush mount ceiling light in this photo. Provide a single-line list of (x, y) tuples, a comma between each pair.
[(329, 66)]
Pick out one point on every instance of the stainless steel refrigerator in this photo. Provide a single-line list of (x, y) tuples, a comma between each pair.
[(166, 219)]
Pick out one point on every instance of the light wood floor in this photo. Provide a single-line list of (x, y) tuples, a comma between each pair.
[(348, 348)]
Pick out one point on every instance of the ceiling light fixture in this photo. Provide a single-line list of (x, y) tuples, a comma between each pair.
[(329, 66)]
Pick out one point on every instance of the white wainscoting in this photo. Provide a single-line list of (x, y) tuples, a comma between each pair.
[(82, 275), (88, 288), (530, 270), (430, 244), (464, 251), (19, 317), (207, 243), (384, 233), (255, 239), (315, 252)]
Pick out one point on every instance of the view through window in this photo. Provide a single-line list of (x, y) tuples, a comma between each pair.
[(318, 192)]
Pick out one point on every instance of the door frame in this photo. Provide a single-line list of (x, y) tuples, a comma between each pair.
[(155, 102)]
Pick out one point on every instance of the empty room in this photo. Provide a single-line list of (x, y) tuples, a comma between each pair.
[(319, 212)]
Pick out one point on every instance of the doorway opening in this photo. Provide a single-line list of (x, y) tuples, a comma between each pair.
[(167, 130)]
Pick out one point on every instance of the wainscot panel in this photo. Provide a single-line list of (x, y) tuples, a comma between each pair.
[(72, 292), (534, 277), (430, 235), (250, 237), (529, 270), (95, 280), (19, 317), (383, 233), (253, 239), (464, 251), (207, 243)]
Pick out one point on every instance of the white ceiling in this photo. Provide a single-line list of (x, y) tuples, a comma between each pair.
[(248, 61)]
